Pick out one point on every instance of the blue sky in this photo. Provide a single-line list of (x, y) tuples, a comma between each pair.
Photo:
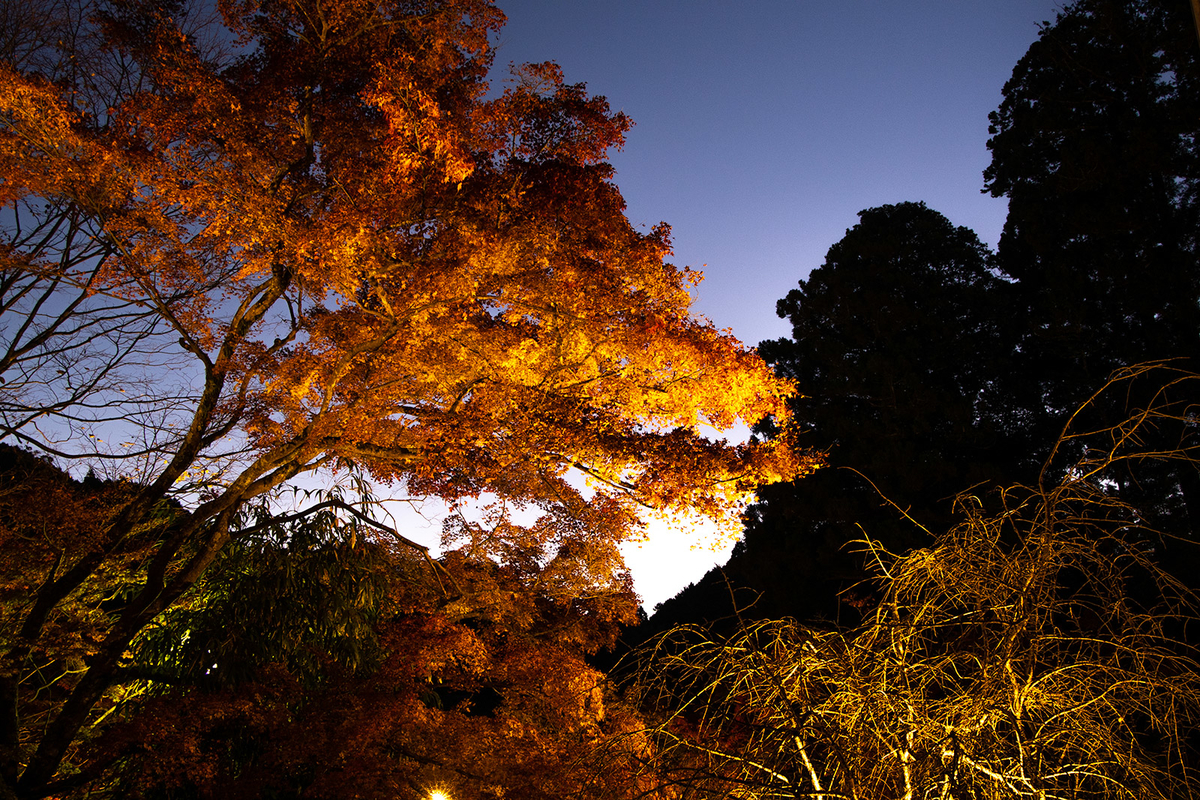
[(764, 126)]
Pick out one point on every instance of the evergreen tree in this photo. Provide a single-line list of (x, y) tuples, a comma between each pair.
[(1094, 145), (928, 374), (895, 343)]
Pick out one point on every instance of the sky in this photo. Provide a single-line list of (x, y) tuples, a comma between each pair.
[(762, 128)]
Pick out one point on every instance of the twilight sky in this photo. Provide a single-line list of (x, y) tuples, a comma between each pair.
[(764, 126)]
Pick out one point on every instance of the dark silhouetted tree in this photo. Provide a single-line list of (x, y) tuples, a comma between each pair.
[(928, 385), (1094, 145), (895, 343)]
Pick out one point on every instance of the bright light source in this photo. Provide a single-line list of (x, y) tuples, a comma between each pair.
[(438, 794)]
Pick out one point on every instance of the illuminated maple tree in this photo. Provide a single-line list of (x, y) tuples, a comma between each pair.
[(310, 661), (293, 236)]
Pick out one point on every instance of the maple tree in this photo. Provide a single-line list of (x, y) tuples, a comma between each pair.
[(300, 235), (343, 669), (315, 659)]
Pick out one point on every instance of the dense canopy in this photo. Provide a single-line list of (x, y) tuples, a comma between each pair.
[(245, 243)]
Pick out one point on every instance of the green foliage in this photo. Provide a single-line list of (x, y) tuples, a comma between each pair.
[(299, 593), (481, 688)]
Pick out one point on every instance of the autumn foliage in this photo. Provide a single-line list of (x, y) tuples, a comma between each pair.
[(390, 688), (248, 244)]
